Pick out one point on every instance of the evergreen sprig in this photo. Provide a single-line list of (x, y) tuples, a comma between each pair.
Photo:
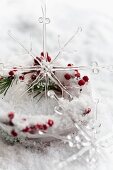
[(5, 83), (40, 87), (37, 88)]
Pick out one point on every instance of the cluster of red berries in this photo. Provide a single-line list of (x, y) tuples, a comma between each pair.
[(82, 81), (12, 74), (39, 59), (69, 76), (31, 129), (36, 62), (34, 128)]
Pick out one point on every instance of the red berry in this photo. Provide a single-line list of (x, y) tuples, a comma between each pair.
[(33, 77), (87, 111), (14, 133), (81, 82), (45, 127), (50, 122), (48, 58), (21, 77), (42, 54), (25, 129), (77, 74), (11, 73), (85, 78), (39, 126), (69, 65), (37, 60), (11, 115), (67, 76), (33, 127)]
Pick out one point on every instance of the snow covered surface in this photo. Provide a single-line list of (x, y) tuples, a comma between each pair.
[(93, 44)]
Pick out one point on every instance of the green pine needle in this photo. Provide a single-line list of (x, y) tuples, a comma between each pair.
[(5, 83), (40, 87)]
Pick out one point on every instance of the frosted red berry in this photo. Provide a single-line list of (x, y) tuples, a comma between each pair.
[(11, 73), (39, 126), (42, 54), (81, 82), (67, 76), (37, 60), (26, 129), (11, 115), (14, 133), (33, 77), (69, 65), (50, 122), (87, 111), (45, 127), (21, 77), (85, 78), (48, 58), (77, 75), (33, 127)]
